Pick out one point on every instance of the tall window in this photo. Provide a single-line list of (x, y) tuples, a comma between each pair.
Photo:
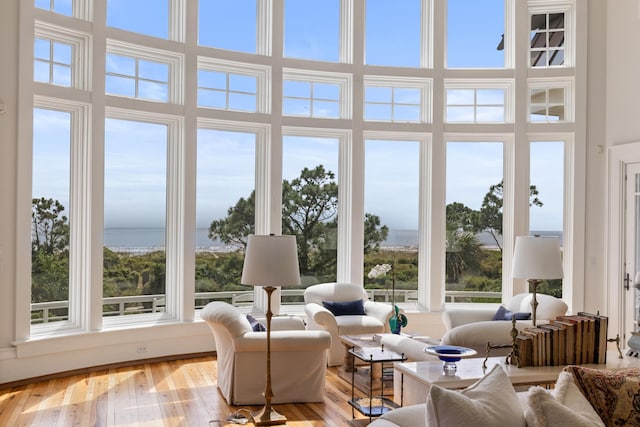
[(474, 191), (135, 183), (50, 215), (310, 204), (546, 202), (204, 102), (391, 215), (225, 209)]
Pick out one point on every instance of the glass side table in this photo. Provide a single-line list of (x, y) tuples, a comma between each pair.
[(370, 405)]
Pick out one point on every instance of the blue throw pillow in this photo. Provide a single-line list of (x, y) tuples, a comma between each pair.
[(345, 308), (500, 313), (255, 325), (518, 316), (504, 314)]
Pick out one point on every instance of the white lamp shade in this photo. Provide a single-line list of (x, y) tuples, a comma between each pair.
[(537, 258), (271, 261)]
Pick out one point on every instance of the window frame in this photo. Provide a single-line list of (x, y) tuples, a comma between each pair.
[(174, 60), (547, 7), (183, 112), (80, 43), (547, 84), (262, 73), (393, 82), (508, 85), (344, 82)]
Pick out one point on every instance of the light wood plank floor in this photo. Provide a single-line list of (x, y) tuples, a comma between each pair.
[(169, 393)]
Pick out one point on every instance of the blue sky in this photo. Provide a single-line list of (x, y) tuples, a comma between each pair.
[(136, 154)]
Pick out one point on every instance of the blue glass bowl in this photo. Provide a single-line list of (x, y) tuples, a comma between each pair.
[(450, 353)]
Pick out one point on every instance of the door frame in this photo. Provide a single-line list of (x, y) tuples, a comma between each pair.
[(618, 158)]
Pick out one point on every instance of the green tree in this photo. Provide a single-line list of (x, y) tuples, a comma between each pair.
[(49, 227), (489, 217), (374, 233), (238, 224), (49, 251), (463, 252), (309, 211)]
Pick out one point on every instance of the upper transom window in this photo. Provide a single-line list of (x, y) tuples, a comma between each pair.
[(320, 95), (143, 73), (547, 39), (483, 103)]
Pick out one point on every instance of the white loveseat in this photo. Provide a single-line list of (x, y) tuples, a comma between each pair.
[(298, 358), (374, 320), (473, 328)]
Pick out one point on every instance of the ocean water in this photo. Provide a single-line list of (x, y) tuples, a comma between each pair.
[(146, 239)]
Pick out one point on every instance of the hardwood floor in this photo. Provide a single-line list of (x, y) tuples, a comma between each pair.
[(170, 393)]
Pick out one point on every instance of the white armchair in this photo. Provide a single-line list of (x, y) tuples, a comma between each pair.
[(473, 328), (298, 358), (375, 320)]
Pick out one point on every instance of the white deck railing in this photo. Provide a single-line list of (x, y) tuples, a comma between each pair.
[(137, 304)]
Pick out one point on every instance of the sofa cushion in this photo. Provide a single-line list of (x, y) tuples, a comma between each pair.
[(255, 324), (490, 402), (345, 308), (614, 394), (564, 406)]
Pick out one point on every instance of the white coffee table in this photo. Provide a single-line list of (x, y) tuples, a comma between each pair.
[(412, 380)]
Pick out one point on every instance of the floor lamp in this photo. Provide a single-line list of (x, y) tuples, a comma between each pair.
[(270, 261), (536, 259)]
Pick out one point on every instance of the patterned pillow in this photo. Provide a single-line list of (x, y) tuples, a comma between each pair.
[(614, 394), (255, 325)]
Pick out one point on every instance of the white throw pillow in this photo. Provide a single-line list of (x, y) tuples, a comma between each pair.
[(564, 406), (490, 402)]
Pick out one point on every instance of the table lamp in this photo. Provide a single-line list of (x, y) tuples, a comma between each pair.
[(536, 259), (270, 261)]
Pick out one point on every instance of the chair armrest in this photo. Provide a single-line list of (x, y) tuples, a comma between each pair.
[(283, 341), (320, 318), (456, 317), (379, 310)]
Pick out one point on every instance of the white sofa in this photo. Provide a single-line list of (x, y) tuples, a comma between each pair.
[(473, 328), (493, 402), (298, 358), (375, 320)]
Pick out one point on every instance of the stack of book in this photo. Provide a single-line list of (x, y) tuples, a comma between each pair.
[(567, 340)]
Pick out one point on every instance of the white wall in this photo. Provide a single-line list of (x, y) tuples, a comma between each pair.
[(612, 116), (623, 73), (8, 141)]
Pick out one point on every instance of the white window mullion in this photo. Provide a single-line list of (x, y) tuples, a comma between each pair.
[(175, 225)]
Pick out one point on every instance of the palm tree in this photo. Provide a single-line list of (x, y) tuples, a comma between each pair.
[(464, 252)]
